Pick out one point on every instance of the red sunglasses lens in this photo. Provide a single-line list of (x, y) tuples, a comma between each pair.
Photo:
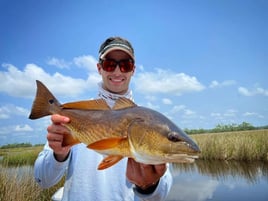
[(125, 66), (109, 65)]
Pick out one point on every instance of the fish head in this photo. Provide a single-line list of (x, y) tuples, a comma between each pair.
[(162, 143)]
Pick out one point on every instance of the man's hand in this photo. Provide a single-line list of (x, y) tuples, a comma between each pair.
[(142, 175), (56, 132)]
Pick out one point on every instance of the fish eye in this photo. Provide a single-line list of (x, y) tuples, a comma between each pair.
[(51, 101), (173, 136)]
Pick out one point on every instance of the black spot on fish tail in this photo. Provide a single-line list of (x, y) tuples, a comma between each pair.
[(44, 103)]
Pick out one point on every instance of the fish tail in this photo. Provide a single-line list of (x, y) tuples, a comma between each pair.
[(45, 103)]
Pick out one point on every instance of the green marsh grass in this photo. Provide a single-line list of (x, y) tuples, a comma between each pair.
[(16, 176), (238, 145), (17, 181), (19, 156)]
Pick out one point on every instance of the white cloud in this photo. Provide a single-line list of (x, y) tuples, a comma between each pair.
[(253, 114), (178, 108), (9, 110), (86, 61), (230, 113), (10, 129), (249, 114), (22, 128), (256, 91), (60, 63), (150, 98), (140, 67), (4, 116), (21, 83), (225, 83), (215, 114), (188, 112), (152, 106), (192, 189), (185, 112), (4, 113), (166, 82), (92, 80), (167, 101)]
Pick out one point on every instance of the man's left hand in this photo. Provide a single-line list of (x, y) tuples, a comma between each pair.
[(142, 175)]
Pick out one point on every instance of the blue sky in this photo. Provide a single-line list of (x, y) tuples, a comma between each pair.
[(201, 63)]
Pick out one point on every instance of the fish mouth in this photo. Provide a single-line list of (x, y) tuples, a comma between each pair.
[(185, 148), (195, 149), (167, 158), (181, 143), (183, 158)]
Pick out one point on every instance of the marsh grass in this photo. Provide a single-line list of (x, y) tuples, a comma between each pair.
[(19, 156), (239, 145), (17, 183), (16, 176)]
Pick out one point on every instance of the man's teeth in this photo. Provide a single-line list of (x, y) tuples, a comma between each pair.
[(116, 80)]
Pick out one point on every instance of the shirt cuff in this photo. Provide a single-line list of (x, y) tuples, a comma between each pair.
[(148, 190)]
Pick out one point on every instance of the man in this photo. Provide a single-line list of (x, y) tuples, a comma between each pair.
[(126, 180)]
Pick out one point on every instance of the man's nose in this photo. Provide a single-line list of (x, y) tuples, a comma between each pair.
[(117, 69)]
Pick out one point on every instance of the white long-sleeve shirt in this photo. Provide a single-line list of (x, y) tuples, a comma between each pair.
[(85, 183)]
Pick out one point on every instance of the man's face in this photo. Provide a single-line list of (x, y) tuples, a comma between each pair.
[(116, 81)]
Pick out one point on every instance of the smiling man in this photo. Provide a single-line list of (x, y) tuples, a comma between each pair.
[(125, 181)]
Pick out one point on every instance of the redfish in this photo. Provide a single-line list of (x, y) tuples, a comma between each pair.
[(126, 130)]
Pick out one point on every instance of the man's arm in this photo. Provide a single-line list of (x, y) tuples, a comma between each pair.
[(52, 162), (47, 170)]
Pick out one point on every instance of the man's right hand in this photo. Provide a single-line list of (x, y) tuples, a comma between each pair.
[(55, 135)]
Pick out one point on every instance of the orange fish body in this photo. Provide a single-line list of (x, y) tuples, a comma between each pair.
[(126, 130)]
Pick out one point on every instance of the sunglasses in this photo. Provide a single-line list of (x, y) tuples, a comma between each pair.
[(125, 65)]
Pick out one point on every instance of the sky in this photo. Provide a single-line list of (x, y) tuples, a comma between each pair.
[(199, 62)]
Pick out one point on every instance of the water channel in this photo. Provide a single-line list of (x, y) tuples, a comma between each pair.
[(209, 181), (220, 181)]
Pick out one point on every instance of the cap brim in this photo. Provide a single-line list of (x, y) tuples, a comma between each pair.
[(116, 48)]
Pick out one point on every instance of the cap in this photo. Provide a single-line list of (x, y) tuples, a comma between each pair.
[(116, 44)]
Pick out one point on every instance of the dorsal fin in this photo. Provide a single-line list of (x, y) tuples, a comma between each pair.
[(122, 103), (98, 104)]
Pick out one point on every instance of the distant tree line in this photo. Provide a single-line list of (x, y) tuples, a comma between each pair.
[(219, 128), (225, 128), (16, 145)]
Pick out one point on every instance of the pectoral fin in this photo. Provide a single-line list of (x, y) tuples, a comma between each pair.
[(108, 143), (109, 161)]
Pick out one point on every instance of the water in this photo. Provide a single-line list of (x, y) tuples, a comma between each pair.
[(206, 181), (220, 181)]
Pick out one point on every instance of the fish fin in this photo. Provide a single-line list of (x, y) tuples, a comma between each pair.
[(106, 143), (109, 161), (44, 103), (98, 104), (122, 103), (68, 139)]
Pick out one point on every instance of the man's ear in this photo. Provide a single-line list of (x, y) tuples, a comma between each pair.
[(99, 68), (133, 70)]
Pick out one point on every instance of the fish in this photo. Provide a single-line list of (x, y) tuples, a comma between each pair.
[(125, 130)]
